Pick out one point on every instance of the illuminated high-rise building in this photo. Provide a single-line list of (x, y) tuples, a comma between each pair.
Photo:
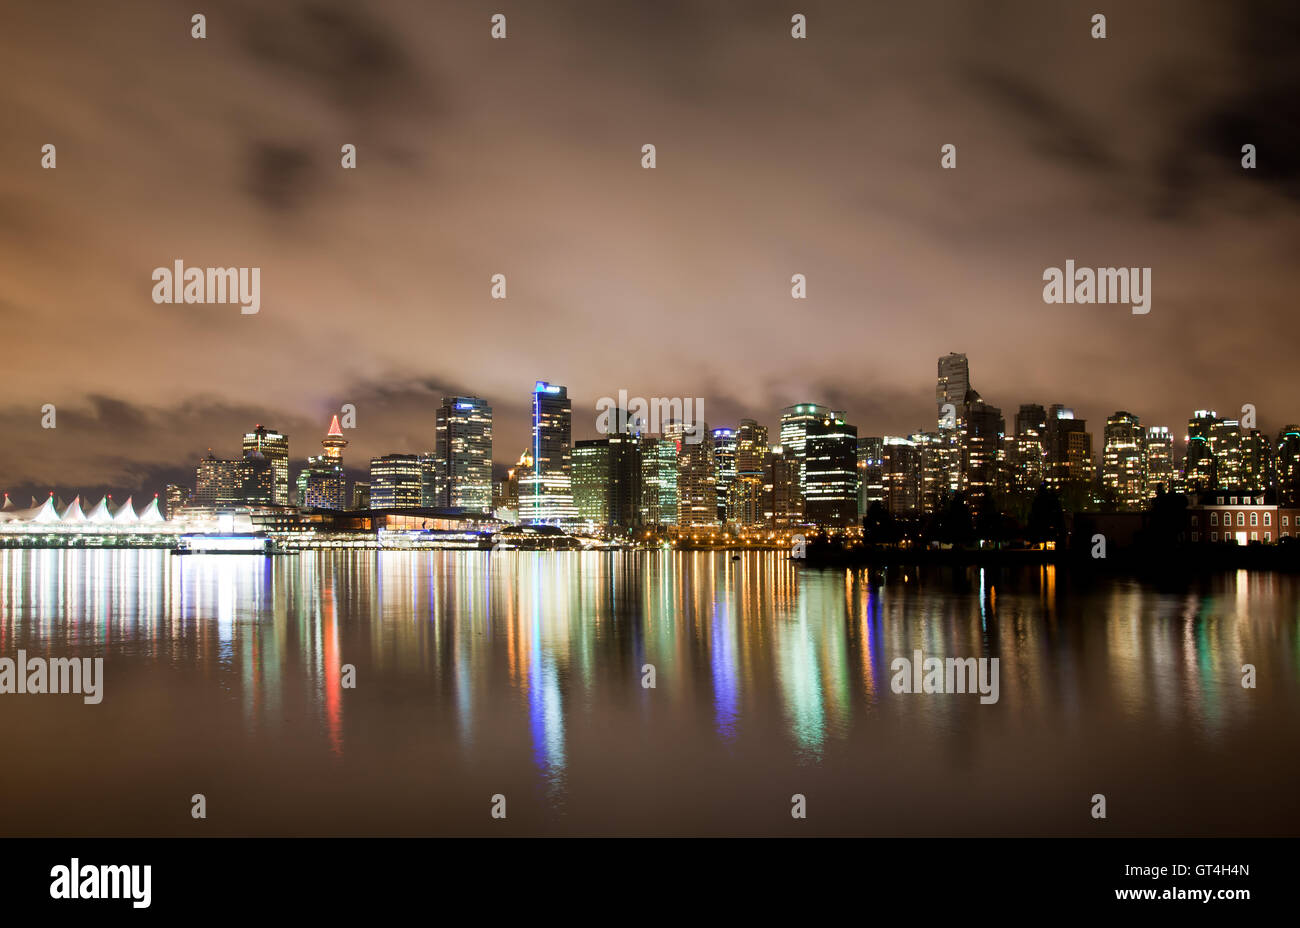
[(782, 495), (1158, 450), (953, 385), (395, 481), (248, 481), (794, 424), (1257, 461), (1225, 445), (745, 506), (274, 447), (1069, 468), (1026, 456), (360, 495), (1286, 465), (1123, 463), (982, 431), (724, 467), (659, 481), (590, 467), (322, 484), (1198, 461), (333, 443), (697, 484), (463, 453), (902, 475), (871, 473), (831, 473), (546, 492), (177, 497)]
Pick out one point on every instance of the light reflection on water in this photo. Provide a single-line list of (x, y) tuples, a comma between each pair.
[(463, 658)]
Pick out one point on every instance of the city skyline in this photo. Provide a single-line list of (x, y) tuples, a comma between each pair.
[(466, 169)]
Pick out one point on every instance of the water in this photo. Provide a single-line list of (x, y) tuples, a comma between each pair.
[(520, 674)]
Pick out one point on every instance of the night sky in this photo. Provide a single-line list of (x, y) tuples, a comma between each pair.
[(522, 156)]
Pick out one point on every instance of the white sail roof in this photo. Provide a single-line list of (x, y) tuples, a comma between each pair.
[(9, 504), (127, 513), (151, 515), (73, 513), (100, 514), (47, 512)]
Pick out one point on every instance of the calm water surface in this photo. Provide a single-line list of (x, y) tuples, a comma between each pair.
[(520, 674)]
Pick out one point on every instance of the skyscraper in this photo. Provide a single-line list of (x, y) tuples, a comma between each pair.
[(831, 473), (902, 476), (871, 473), (395, 481), (1198, 462), (1123, 472), (463, 454), (982, 431), (1286, 463), (794, 423), (782, 496), (953, 384), (546, 492), (724, 467), (1069, 467), (659, 481), (591, 481), (1159, 453), (321, 484), (274, 447), (697, 482)]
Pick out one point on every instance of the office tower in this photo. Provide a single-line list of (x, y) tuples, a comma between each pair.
[(248, 481), (1025, 459), (1069, 467), (1257, 471), (177, 497), (782, 495), (831, 473), (1123, 462), (1225, 445), (724, 467), (546, 491), (1198, 463), (871, 473), (274, 446), (1159, 465), (1286, 464), (982, 432), (321, 484), (794, 423), (360, 495), (432, 485), (938, 458), (745, 506), (395, 481), (463, 448), (510, 491), (902, 476), (625, 488), (591, 481), (659, 481), (697, 485), (953, 385)]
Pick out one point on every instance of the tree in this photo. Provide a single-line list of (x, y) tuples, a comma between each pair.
[(1046, 518)]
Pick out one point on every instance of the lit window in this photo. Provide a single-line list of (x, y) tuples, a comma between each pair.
[(1254, 518), (1241, 518), (1268, 518), (1254, 536)]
